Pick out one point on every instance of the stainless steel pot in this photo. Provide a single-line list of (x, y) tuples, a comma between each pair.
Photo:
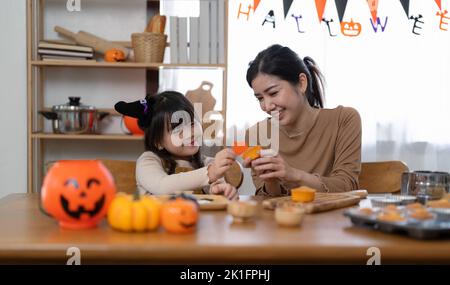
[(426, 185), (74, 117)]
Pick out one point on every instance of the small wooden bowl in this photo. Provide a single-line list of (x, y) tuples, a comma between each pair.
[(289, 214), (242, 210)]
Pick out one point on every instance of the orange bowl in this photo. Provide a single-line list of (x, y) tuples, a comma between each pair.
[(132, 125)]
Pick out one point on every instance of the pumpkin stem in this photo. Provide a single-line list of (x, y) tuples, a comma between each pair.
[(136, 195)]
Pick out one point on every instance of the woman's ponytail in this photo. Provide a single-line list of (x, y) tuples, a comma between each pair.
[(315, 90)]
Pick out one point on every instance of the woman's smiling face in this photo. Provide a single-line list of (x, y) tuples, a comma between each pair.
[(279, 98)]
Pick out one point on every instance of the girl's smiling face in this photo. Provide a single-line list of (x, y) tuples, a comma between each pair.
[(184, 140), (279, 97)]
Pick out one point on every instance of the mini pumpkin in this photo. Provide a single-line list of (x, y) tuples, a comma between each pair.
[(77, 193), (114, 55), (180, 215), (138, 213)]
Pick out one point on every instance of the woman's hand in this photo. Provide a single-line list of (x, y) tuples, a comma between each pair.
[(222, 162), (224, 189), (275, 168)]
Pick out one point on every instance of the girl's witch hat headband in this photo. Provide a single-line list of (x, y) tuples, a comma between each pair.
[(137, 109)]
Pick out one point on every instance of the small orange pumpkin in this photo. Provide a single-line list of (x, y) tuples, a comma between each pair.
[(77, 193), (138, 213), (132, 125), (114, 55), (179, 215)]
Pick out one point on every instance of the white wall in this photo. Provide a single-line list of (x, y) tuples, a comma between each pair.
[(13, 124)]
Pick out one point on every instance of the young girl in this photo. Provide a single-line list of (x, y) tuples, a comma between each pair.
[(173, 134)]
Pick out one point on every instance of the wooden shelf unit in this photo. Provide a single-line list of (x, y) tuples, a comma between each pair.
[(52, 136), (36, 78)]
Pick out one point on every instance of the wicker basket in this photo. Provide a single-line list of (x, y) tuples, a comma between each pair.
[(148, 47)]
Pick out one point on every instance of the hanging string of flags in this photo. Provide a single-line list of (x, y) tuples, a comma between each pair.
[(351, 29)]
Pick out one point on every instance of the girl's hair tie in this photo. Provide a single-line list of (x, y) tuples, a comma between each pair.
[(144, 103)]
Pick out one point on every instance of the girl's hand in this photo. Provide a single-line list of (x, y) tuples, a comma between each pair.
[(224, 189), (275, 167), (222, 162)]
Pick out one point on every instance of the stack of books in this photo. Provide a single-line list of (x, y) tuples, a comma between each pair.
[(64, 51)]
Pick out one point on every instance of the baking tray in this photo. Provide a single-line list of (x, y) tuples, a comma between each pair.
[(435, 228)]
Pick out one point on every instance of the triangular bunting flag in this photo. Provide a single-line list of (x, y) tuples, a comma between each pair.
[(405, 4), (373, 6), (286, 5), (255, 4), (340, 6), (438, 2), (320, 6)]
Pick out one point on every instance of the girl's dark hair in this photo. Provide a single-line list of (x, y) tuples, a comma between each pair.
[(154, 116), (284, 63)]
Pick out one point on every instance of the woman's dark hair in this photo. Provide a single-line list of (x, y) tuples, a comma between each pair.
[(284, 63), (154, 116)]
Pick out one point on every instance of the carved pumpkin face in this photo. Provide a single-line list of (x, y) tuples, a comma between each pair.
[(351, 29), (114, 55), (78, 192), (179, 215)]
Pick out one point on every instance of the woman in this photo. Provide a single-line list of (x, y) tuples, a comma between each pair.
[(319, 148)]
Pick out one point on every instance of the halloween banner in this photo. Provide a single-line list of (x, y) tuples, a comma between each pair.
[(320, 6), (373, 6), (255, 4), (438, 2), (340, 6), (349, 28), (405, 4), (286, 5)]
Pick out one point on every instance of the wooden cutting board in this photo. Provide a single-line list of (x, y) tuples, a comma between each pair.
[(323, 202), (203, 95)]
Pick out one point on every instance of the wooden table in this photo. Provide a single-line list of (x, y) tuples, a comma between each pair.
[(28, 236)]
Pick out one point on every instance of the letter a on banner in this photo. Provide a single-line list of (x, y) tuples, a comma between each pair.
[(320, 6), (340, 6), (373, 6)]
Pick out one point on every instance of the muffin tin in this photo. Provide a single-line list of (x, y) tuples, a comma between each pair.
[(438, 227)]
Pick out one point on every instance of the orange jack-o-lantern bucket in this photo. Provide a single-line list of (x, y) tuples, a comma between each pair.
[(132, 125), (77, 193)]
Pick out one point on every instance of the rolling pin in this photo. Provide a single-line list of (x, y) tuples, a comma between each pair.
[(86, 39)]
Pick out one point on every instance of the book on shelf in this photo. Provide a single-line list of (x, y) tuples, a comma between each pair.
[(64, 46), (182, 40), (42, 51), (65, 58), (213, 31), (173, 38), (221, 31), (204, 40), (193, 39)]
